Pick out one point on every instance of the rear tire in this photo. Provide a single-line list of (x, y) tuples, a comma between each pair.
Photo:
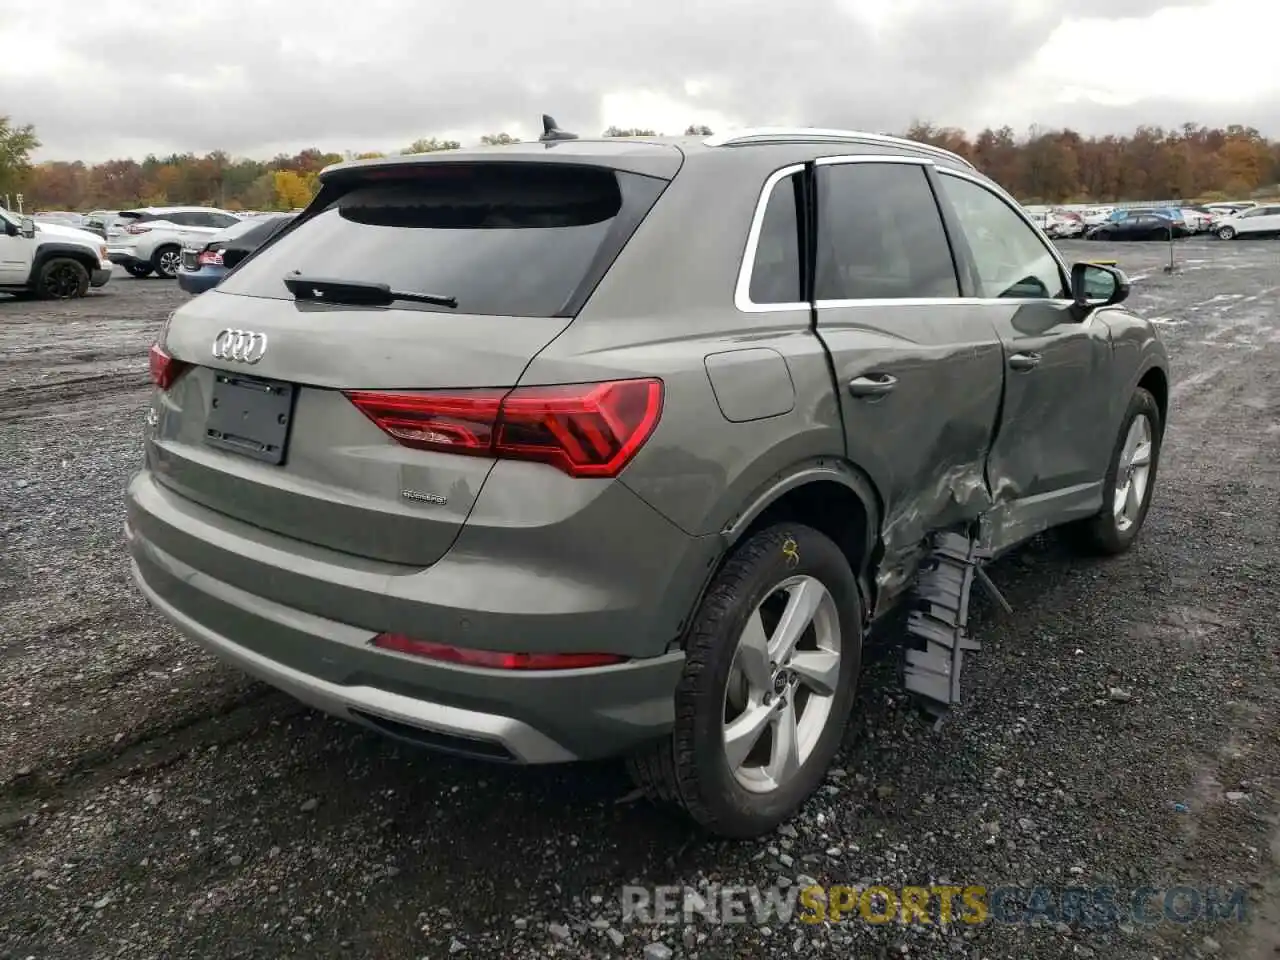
[(62, 278), (138, 270), (166, 261), (1130, 480), (725, 691)]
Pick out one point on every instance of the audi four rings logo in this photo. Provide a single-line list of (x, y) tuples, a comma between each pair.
[(244, 346)]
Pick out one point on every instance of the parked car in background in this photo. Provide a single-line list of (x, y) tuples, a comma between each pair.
[(1096, 215), (1230, 208), (1061, 225), (153, 237), (107, 224), (1138, 225), (64, 217), (1172, 214), (1197, 221), (1253, 222), (544, 461), (205, 264), (49, 260)]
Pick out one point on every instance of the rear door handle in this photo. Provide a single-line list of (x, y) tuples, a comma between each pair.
[(872, 385), (1024, 361)]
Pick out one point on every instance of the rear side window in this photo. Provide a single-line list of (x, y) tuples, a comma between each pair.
[(776, 270), (880, 235), (504, 239)]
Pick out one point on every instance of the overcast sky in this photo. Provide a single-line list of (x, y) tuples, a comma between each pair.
[(129, 77)]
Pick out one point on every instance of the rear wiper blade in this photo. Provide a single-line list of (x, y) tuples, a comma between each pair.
[(358, 292)]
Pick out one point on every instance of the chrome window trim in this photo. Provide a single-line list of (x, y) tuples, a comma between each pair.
[(1013, 205), (940, 302), (821, 134), (742, 291)]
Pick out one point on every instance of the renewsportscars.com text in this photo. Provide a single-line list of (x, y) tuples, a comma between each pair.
[(1101, 906)]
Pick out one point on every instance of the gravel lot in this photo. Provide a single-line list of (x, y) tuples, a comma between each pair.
[(1122, 727)]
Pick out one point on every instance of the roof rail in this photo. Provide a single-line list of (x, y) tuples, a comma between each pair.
[(818, 135)]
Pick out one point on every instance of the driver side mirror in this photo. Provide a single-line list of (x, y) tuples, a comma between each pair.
[(27, 227), (1096, 285)]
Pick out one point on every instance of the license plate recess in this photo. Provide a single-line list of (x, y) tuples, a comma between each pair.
[(250, 416)]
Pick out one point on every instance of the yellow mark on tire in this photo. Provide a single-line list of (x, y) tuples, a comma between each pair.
[(791, 551)]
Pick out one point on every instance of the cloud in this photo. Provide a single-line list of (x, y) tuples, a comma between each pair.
[(258, 76)]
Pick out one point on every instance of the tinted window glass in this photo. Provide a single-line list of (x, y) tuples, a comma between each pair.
[(775, 273), (880, 235), (1011, 259), (247, 240), (503, 239), (243, 228), (223, 220)]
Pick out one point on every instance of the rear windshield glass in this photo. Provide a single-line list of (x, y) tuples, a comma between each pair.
[(504, 239)]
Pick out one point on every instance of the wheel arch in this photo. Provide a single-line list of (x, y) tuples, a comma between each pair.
[(831, 495), (48, 251), (1155, 380)]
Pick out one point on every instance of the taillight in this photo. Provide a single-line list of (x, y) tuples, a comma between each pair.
[(136, 228), (493, 659), (210, 258), (164, 369), (586, 429)]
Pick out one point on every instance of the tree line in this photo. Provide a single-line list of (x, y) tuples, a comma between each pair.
[(1042, 166)]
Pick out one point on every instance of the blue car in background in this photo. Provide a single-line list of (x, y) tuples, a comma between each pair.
[(204, 266)]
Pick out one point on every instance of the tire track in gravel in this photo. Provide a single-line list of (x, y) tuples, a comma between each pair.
[(33, 400)]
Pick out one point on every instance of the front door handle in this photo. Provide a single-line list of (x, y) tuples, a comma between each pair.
[(872, 385), (1024, 361)]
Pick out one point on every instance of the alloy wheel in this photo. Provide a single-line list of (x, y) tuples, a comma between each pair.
[(170, 261), (1133, 473), (782, 684), (62, 282)]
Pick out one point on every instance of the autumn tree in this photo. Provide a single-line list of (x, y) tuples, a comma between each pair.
[(1184, 162), (16, 146), (497, 140), (629, 132), (292, 189), (430, 145)]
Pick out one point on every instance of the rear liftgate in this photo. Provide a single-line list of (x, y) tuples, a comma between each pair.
[(938, 624)]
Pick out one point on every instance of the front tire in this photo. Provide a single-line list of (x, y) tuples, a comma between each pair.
[(770, 675), (1226, 233), (1131, 477), (166, 261), (62, 278)]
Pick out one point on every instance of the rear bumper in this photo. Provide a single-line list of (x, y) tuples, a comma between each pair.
[(528, 717), (122, 256), (198, 281)]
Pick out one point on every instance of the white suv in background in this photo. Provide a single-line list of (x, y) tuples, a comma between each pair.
[(1253, 222), (153, 237), (50, 261)]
